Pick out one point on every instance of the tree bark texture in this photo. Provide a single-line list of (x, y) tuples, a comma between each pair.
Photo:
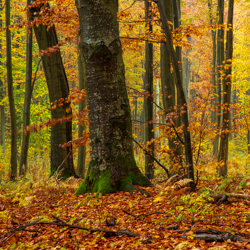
[(2, 94), (179, 86), (178, 49), (149, 88), (81, 127), (214, 85), (168, 95), (27, 101), (112, 165), (223, 153), (13, 161), (57, 83), (220, 59)]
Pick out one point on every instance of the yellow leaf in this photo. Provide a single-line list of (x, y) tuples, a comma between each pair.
[(182, 245)]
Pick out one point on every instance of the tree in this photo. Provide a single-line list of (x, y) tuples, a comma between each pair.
[(112, 165), (179, 86), (149, 86), (2, 91), (27, 100), (227, 83), (220, 59), (13, 165), (81, 126), (168, 93), (61, 131)]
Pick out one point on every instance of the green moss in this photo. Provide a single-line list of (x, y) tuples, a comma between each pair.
[(121, 179), (93, 184)]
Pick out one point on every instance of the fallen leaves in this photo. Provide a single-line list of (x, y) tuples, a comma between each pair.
[(54, 218)]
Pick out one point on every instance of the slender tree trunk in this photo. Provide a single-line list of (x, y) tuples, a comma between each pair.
[(178, 81), (149, 134), (186, 72), (13, 172), (178, 49), (157, 101), (112, 165), (136, 131), (220, 59), (27, 101), (213, 34), (57, 83), (81, 126), (168, 94), (223, 153), (2, 94)]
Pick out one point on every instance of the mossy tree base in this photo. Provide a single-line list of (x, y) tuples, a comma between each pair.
[(114, 179)]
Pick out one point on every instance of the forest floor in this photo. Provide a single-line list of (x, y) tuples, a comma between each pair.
[(35, 215)]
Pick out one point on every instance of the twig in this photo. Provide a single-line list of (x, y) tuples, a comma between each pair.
[(58, 171), (171, 122), (141, 39), (35, 78), (129, 6), (146, 152)]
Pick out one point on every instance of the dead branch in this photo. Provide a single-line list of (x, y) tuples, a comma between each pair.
[(61, 223), (146, 152)]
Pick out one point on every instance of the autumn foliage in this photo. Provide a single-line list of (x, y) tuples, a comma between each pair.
[(38, 212)]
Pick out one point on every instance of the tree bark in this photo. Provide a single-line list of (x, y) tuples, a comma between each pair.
[(112, 165), (214, 103), (223, 153), (81, 127), (220, 59), (178, 81), (168, 94), (57, 83), (178, 49), (27, 101), (2, 94), (13, 161), (149, 86)]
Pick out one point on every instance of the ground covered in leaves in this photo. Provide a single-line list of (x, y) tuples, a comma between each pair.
[(49, 216)]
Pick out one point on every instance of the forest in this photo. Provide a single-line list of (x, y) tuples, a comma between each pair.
[(124, 124)]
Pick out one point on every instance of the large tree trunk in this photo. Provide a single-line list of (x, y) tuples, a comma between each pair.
[(81, 126), (179, 86), (27, 100), (149, 134), (168, 95), (57, 82), (223, 153), (220, 59), (13, 167), (112, 165), (2, 94)]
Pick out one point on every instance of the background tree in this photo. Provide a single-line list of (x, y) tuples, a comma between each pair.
[(27, 100), (227, 83), (168, 95), (220, 74), (81, 125), (149, 106), (112, 165), (13, 162), (2, 94), (61, 130), (179, 86)]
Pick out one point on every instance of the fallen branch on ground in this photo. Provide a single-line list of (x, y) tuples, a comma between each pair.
[(61, 223)]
